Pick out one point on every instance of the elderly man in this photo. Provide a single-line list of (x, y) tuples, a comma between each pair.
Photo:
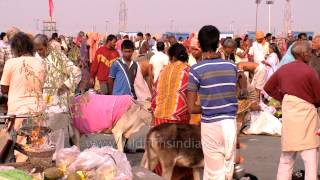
[(260, 49), (315, 60), (62, 77), (297, 86), (5, 51), (316, 45), (228, 50)]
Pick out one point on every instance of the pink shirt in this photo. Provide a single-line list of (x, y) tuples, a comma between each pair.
[(25, 91)]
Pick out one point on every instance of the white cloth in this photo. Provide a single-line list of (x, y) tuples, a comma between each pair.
[(264, 122), (138, 44), (310, 159), (192, 61), (158, 61), (219, 149), (239, 59), (2, 43), (141, 87), (273, 60), (259, 51), (55, 44), (64, 45), (259, 77)]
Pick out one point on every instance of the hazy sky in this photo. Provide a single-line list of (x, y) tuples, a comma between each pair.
[(155, 15)]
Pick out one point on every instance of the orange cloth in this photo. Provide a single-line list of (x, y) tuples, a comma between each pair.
[(259, 35), (93, 42), (169, 99), (195, 119)]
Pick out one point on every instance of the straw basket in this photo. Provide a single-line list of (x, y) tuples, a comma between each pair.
[(243, 106)]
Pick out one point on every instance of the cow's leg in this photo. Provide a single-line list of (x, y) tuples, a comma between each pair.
[(196, 173), (76, 137), (144, 161), (167, 168), (119, 140), (149, 163), (149, 160), (153, 163), (122, 125)]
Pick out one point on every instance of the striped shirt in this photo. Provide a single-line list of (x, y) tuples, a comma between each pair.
[(5, 54), (215, 82)]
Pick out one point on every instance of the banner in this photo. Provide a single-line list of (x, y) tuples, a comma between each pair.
[(50, 8)]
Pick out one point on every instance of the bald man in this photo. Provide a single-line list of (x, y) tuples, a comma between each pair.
[(299, 95)]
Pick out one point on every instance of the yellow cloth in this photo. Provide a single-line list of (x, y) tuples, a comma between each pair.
[(195, 119)]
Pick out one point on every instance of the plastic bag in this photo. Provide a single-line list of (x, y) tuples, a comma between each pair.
[(4, 168), (124, 168), (107, 171), (86, 161), (104, 163), (66, 156), (263, 123)]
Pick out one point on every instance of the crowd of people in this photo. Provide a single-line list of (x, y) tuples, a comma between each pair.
[(200, 80)]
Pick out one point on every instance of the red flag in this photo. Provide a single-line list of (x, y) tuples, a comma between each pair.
[(50, 8)]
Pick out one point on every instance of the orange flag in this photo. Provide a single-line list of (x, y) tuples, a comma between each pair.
[(50, 8)]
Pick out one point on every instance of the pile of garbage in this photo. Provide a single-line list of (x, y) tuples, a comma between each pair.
[(95, 163)]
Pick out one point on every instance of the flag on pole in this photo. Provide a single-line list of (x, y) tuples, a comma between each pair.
[(50, 8)]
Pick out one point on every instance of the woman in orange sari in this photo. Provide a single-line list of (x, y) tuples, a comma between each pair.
[(169, 103)]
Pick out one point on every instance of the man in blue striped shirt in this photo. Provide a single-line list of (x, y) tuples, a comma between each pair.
[(214, 79)]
